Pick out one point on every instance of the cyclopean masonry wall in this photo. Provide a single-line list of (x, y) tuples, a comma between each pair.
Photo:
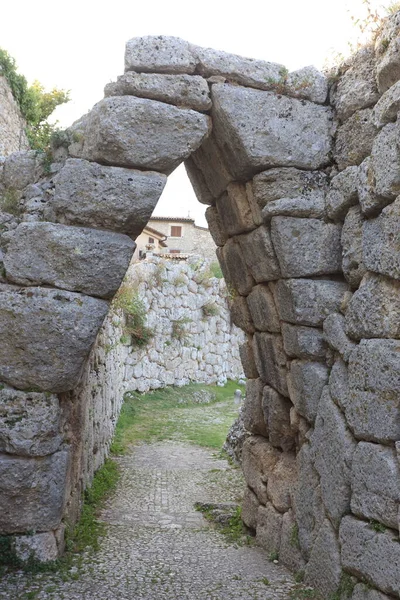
[(12, 125), (303, 206)]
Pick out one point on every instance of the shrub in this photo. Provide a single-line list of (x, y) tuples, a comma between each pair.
[(210, 310), (128, 300), (179, 331)]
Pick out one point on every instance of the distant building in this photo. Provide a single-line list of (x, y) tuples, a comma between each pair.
[(150, 240), (180, 236)]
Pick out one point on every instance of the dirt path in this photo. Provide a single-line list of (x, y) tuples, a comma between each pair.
[(157, 546)]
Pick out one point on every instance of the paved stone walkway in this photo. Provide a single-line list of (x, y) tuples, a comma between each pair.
[(157, 546)]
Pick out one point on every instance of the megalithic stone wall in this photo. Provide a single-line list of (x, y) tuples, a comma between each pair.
[(301, 179)]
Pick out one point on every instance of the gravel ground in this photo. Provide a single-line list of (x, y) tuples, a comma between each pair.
[(157, 547)]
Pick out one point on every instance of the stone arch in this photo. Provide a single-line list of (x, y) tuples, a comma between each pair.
[(261, 149)]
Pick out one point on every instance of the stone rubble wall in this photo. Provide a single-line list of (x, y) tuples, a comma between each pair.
[(12, 125), (301, 180)]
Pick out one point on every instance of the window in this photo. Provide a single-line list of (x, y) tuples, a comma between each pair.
[(176, 231), (151, 240), (174, 251)]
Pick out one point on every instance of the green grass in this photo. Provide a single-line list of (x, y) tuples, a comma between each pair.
[(173, 413)]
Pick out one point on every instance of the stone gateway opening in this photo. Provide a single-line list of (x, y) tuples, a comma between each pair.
[(301, 178)]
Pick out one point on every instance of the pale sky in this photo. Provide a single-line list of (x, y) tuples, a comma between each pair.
[(79, 45)]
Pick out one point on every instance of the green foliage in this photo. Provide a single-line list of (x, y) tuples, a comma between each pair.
[(393, 8), (179, 331), (235, 530), (299, 576), (10, 203), (294, 536), (274, 555), (377, 526), (179, 280), (210, 309), (128, 300), (35, 103), (216, 271), (345, 589)]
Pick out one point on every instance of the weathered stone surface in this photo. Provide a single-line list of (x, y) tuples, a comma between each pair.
[(369, 200), (385, 164), (250, 506), (339, 383), (32, 492), (352, 253), (306, 381), (262, 309), (373, 404), (354, 139), (335, 335), (159, 54), (215, 226), (307, 83), (289, 552), (117, 133), (306, 246), (308, 302), (274, 184), (271, 360), (258, 460), (303, 342), (234, 210), (73, 258), (380, 242), (46, 335), (22, 168), (259, 254), (30, 423), (295, 133), (374, 310), (281, 482), (365, 592), (12, 125), (388, 68), (385, 111), (186, 91), (40, 546), (332, 447), (342, 193), (276, 409), (254, 206), (252, 412), (240, 314), (269, 528), (247, 359), (369, 555), (210, 163), (112, 198), (310, 205), (300, 427), (375, 484), (323, 569), (245, 71), (356, 88), (198, 182), (235, 269), (308, 505)]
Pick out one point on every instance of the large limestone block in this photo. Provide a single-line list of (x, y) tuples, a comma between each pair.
[(306, 380), (269, 528), (354, 139), (186, 91), (111, 198), (252, 412), (32, 492), (324, 569), (262, 309), (275, 184), (30, 423), (380, 242), (234, 210), (303, 342), (311, 205), (339, 383), (373, 403), (385, 164), (371, 556), (371, 203), (375, 484), (281, 482), (352, 254), (386, 109), (271, 360), (374, 309), (308, 301), (289, 551), (208, 166), (388, 67), (336, 336), (365, 592), (307, 83), (42, 547), (71, 258), (250, 506), (342, 193), (234, 266), (22, 168), (306, 246), (46, 336), (308, 506), (247, 360), (356, 88), (240, 314), (276, 409), (259, 130), (333, 447), (258, 461), (259, 254), (136, 132), (159, 54), (199, 184), (215, 226)]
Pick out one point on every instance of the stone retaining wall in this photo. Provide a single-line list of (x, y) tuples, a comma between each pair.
[(12, 125), (301, 179)]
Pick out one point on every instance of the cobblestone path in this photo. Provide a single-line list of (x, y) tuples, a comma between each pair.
[(157, 546)]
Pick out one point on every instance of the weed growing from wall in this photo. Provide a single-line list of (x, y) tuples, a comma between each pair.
[(10, 203), (210, 310), (127, 299), (179, 331)]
